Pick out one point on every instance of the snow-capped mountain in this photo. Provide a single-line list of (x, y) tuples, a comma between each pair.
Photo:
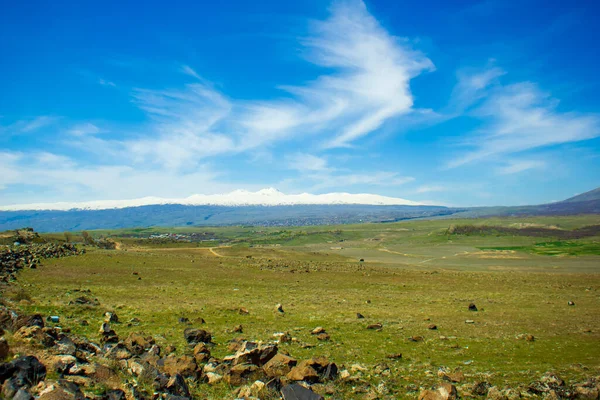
[(264, 197)]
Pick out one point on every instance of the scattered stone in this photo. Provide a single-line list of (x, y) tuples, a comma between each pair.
[(85, 301), (469, 321), (303, 372), (395, 356), (283, 337), (184, 365), (111, 317), (279, 365), (241, 373), (138, 344), (530, 338), (170, 349), (115, 394), (323, 336), (107, 335), (177, 386), (201, 353), (235, 344), (279, 308), (442, 391), (377, 326), (24, 372), (415, 339), (432, 327), (317, 330), (481, 388), (571, 303), (243, 311), (4, 349), (359, 315), (213, 378), (298, 392), (252, 353), (184, 320), (238, 329), (194, 336), (472, 307)]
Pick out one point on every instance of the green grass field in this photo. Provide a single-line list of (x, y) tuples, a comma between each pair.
[(414, 274)]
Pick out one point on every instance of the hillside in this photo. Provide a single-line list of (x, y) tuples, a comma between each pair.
[(592, 195)]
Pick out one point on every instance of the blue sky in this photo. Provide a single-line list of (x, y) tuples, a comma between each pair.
[(463, 103)]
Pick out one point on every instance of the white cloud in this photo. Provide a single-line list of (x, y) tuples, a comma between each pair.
[(472, 87), (63, 178), (186, 69), (429, 189), (29, 125), (367, 84), (84, 129), (376, 178), (520, 117), (516, 166), (307, 162), (104, 82)]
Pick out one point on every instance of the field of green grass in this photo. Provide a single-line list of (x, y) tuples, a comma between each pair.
[(414, 274)]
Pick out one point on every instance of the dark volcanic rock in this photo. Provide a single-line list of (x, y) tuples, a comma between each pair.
[(298, 392), (193, 336)]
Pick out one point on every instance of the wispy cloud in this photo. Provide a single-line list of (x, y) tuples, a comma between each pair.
[(84, 129), (368, 83), (104, 82), (429, 189), (307, 162), (186, 69), (516, 166), (345, 180), (28, 125), (520, 117)]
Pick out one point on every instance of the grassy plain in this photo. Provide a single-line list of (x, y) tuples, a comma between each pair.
[(414, 274)]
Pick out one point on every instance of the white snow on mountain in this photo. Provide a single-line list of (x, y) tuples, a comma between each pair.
[(264, 197)]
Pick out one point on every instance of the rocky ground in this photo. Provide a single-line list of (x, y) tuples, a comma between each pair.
[(46, 361)]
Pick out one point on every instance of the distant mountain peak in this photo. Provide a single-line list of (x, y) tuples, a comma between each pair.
[(593, 194), (264, 197)]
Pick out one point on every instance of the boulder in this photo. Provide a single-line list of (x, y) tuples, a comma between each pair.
[(442, 391), (24, 372), (184, 365), (115, 394), (252, 353), (118, 352), (111, 317), (279, 365), (201, 353), (298, 392), (193, 336), (318, 330), (303, 372), (177, 386), (61, 390), (138, 344), (241, 373), (213, 378), (28, 320), (4, 349)]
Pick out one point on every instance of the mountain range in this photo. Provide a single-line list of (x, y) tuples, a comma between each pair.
[(267, 207)]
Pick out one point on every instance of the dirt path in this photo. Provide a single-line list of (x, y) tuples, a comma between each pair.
[(202, 249)]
